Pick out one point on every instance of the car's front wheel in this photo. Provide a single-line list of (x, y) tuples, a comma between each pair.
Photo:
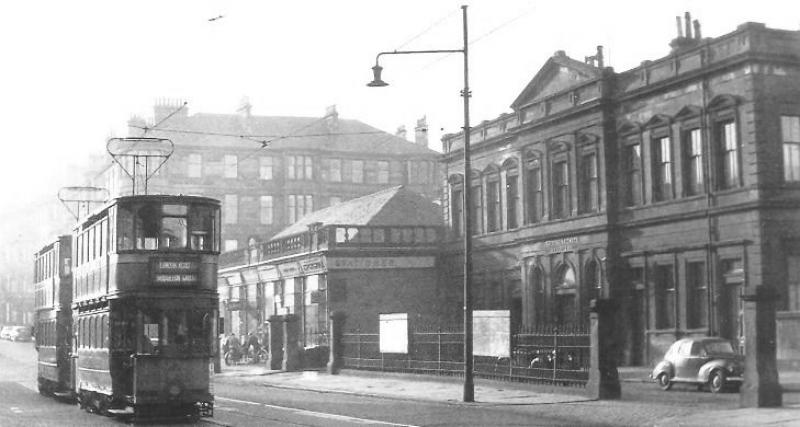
[(717, 381), (663, 381)]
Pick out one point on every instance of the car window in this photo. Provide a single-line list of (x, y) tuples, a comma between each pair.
[(720, 347), (685, 349)]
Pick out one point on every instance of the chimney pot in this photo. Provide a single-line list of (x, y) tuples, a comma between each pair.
[(688, 22)]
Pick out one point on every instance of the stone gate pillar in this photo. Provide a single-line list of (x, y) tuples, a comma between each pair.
[(291, 349), (603, 375), (275, 329), (761, 387), (336, 358)]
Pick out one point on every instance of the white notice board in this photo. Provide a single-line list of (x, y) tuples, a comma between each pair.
[(394, 333), (491, 333)]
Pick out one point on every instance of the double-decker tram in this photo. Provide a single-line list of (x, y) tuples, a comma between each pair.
[(144, 306), (52, 276)]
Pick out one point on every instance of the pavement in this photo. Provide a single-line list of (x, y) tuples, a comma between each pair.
[(448, 390)]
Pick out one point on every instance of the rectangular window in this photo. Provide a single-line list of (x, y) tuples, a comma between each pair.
[(633, 175), (358, 171), (231, 245), (309, 205), (266, 210), (299, 167), (512, 198), (729, 155), (693, 172), (194, 166), (308, 171), (290, 167), (662, 169), (561, 202), (231, 166), (383, 172), (589, 183), (230, 206), (291, 208), (664, 283), (336, 170), (790, 132), (696, 295), (533, 190), (265, 165), (493, 204)]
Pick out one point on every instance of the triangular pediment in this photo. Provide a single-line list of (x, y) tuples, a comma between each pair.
[(558, 74)]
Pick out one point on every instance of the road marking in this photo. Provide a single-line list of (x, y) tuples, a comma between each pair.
[(16, 410), (315, 414)]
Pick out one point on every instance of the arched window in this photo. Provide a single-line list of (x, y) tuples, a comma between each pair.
[(564, 289), (537, 295), (512, 193), (592, 285), (457, 204), (493, 222), (476, 203), (533, 187)]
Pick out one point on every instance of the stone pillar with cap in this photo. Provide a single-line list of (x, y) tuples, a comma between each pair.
[(336, 358), (603, 375), (291, 348), (275, 327), (761, 387)]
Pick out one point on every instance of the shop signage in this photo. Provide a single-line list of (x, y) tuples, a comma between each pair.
[(174, 272), (314, 265), (555, 246), (289, 269), (373, 263), (268, 273)]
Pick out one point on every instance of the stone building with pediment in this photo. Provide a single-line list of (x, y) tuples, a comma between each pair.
[(672, 188)]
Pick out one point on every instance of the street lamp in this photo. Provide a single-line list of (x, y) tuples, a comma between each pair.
[(469, 386)]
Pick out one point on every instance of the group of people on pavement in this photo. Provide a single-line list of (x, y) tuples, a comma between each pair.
[(249, 344)]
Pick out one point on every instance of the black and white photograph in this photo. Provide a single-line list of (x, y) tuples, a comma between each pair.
[(400, 213)]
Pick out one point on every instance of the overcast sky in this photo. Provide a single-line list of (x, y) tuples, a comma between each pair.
[(73, 72)]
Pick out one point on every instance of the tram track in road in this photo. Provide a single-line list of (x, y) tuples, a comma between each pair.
[(326, 418)]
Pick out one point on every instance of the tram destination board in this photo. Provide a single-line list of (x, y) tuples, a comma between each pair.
[(174, 272)]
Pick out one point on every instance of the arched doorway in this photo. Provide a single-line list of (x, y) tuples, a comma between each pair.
[(564, 290)]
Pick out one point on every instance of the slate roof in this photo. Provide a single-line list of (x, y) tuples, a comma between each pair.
[(284, 133), (394, 206)]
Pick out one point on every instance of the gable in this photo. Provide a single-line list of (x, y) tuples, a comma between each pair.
[(558, 74)]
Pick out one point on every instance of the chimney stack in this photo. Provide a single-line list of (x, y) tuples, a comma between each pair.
[(421, 132), (685, 40), (697, 35), (332, 118), (172, 108), (400, 132), (244, 108)]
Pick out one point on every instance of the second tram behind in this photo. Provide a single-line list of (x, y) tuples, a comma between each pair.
[(144, 307)]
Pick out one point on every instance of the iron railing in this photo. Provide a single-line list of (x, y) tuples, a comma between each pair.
[(546, 354)]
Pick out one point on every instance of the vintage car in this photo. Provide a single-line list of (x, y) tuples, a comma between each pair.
[(703, 361)]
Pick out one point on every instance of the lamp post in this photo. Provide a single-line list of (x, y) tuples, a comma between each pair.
[(469, 386)]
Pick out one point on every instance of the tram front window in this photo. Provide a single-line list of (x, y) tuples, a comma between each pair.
[(183, 331), (151, 226)]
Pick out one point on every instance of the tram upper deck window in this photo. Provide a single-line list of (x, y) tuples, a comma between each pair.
[(148, 226)]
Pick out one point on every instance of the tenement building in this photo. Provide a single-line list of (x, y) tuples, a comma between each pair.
[(672, 188), (270, 171)]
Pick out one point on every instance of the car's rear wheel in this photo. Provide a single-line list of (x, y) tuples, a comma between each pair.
[(717, 381), (663, 381)]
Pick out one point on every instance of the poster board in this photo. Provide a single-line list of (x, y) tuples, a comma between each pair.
[(491, 333), (394, 333)]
